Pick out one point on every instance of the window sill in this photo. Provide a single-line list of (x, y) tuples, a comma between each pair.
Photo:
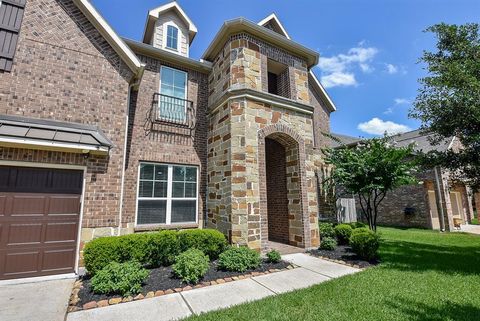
[(156, 227)]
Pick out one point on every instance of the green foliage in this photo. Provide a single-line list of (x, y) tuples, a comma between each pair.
[(371, 169), (448, 102), (365, 243), (150, 249), (211, 242), (239, 259), (357, 225), (343, 233), (191, 265), (326, 230), (274, 256), (119, 278), (328, 244)]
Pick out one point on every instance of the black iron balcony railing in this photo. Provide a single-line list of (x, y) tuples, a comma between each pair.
[(173, 110)]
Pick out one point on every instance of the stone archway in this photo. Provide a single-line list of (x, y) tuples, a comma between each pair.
[(281, 141)]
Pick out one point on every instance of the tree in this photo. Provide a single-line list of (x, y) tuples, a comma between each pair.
[(448, 103), (370, 170)]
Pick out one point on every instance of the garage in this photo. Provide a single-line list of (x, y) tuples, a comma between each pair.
[(39, 220)]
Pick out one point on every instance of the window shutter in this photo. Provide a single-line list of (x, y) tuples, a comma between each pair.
[(11, 15)]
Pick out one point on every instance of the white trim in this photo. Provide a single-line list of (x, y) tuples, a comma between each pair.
[(273, 16), (263, 100), (34, 142), (109, 34), (37, 279), (156, 12), (169, 198), (323, 91), (82, 197)]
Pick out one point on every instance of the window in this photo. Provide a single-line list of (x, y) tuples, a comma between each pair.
[(172, 37), (278, 78), (167, 194), (173, 90)]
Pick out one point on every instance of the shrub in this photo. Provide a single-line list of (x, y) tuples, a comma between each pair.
[(274, 256), (119, 278), (326, 230), (239, 259), (365, 243), (328, 244), (211, 242), (355, 225), (191, 265), (134, 247), (163, 248), (343, 233), (98, 253)]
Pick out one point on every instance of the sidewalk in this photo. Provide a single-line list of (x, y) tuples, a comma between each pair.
[(175, 306)]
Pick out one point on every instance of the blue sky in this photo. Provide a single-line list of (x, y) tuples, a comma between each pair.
[(369, 49)]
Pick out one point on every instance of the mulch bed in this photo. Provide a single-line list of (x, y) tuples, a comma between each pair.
[(162, 281), (343, 254)]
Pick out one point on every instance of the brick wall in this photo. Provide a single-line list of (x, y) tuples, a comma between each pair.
[(277, 198), (64, 70)]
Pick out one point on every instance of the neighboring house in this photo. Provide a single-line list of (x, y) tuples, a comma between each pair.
[(436, 202), (106, 136)]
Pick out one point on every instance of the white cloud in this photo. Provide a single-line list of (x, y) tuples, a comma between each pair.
[(401, 101), (376, 126), (338, 70), (391, 69), (388, 111), (338, 79)]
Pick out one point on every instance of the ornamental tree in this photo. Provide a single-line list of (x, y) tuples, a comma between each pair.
[(448, 102), (371, 169)]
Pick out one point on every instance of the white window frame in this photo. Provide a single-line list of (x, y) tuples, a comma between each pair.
[(169, 198), (159, 116), (165, 36)]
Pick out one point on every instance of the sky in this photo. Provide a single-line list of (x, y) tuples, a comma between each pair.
[(369, 50)]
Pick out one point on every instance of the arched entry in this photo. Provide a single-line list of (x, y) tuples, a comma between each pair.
[(283, 211)]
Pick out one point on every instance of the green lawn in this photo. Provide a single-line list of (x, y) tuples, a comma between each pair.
[(425, 276)]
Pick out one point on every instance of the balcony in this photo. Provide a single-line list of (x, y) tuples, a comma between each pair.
[(173, 111)]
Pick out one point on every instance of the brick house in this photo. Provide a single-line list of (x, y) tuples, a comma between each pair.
[(436, 202), (102, 136)]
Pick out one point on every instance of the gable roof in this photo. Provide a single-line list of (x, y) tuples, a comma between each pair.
[(110, 36), (340, 140), (154, 14), (277, 25)]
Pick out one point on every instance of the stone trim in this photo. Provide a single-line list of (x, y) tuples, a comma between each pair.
[(287, 137)]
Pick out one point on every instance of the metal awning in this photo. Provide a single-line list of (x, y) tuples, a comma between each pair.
[(49, 134)]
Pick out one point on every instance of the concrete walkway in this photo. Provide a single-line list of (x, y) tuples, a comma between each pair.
[(470, 228), (35, 301), (176, 306)]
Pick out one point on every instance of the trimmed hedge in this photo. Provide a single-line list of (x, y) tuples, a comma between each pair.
[(365, 243), (343, 233), (150, 249)]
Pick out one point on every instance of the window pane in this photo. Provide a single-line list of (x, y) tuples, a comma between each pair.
[(145, 189), (183, 211), (167, 76), (191, 174), (146, 171), (190, 189), (167, 90), (178, 189), (179, 173), (161, 172), (179, 79), (160, 189), (179, 93), (151, 212)]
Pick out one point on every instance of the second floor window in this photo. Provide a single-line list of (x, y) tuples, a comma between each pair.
[(173, 94), (172, 37)]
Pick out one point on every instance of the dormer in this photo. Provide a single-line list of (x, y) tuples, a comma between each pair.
[(169, 28)]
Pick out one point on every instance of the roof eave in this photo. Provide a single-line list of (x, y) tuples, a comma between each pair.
[(323, 92), (242, 24)]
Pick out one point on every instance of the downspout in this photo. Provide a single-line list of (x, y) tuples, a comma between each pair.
[(438, 177), (131, 86)]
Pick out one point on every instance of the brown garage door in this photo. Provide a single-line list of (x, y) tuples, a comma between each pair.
[(39, 217)]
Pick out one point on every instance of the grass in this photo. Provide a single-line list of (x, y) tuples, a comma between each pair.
[(424, 276)]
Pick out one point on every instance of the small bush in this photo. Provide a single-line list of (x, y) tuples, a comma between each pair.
[(355, 225), (326, 230), (328, 244), (210, 242), (191, 265), (365, 243), (343, 233), (274, 256), (239, 259), (119, 278)]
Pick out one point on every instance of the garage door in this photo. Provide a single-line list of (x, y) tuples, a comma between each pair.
[(39, 217)]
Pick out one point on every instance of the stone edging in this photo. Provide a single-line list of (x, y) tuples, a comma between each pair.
[(338, 261), (116, 300)]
